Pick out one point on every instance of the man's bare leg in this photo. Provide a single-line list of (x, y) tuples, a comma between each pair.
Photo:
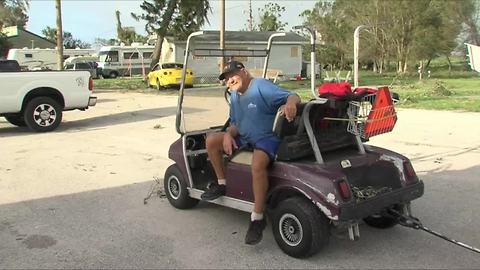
[(214, 146), (260, 163), (258, 222)]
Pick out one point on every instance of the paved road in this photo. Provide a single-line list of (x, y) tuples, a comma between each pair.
[(74, 198)]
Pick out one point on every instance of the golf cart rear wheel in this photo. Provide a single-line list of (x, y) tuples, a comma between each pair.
[(176, 189), (299, 228), (382, 220)]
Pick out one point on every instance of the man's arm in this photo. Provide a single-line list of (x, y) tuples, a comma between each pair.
[(232, 130), (290, 109), (229, 143)]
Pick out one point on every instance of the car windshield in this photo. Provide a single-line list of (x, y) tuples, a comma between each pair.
[(108, 56), (172, 65)]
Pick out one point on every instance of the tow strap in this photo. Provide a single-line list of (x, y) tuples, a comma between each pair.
[(414, 223)]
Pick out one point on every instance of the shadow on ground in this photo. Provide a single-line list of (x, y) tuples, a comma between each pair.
[(112, 228), (100, 121)]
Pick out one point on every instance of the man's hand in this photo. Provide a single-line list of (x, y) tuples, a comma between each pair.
[(229, 143), (290, 109)]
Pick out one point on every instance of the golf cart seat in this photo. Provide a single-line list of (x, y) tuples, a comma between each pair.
[(295, 144), (330, 135), (283, 129)]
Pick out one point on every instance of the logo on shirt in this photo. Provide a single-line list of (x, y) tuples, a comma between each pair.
[(252, 106)]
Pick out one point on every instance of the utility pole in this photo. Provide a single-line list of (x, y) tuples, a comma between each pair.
[(58, 7), (250, 16), (222, 33)]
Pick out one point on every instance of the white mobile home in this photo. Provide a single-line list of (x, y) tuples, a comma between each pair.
[(125, 60), (285, 56), (43, 58)]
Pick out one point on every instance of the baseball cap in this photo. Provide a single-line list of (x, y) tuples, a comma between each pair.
[(229, 67)]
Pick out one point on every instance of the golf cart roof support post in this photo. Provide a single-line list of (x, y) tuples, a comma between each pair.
[(306, 126), (269, 45), (182, 85), (356, 45), (312, 57)]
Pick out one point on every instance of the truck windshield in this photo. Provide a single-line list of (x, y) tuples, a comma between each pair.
[(108, 56)]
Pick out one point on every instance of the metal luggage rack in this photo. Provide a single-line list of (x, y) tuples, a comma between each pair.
[(368, 117)]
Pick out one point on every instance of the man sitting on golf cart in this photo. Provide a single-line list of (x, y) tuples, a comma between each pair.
[(254, 104)]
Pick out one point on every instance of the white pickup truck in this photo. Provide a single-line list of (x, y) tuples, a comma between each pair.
[(37, 99)]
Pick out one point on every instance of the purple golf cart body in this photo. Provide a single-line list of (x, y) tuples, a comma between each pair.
[(324, 177)]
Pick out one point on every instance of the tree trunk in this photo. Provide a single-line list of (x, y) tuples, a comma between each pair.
[(157, 51), (428, 63), (162, 32), (449, 64), (420, 70)]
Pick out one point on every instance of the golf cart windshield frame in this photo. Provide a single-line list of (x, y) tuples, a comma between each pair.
[(217, 53)]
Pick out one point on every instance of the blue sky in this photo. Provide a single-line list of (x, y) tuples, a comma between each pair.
[(88, 19)]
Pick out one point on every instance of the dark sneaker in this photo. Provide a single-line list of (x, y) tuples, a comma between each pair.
[(255, 232), (213, 192)]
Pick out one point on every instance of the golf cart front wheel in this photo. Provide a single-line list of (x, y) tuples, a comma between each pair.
[(299, 228), (176, 189)]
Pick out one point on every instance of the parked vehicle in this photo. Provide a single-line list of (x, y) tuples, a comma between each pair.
[(124, 60), (43, 59), (9, 66), (324, 177), (37, 99), (87, 66), (169, 75)]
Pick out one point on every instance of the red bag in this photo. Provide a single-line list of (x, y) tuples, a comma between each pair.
[(337, 91)]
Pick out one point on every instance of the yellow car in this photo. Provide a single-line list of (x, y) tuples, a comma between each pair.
[(169, 75)]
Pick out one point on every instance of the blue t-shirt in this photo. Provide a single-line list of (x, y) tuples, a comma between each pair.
[(253, 112)]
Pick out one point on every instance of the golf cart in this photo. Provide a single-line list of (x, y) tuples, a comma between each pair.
[(324, 177)]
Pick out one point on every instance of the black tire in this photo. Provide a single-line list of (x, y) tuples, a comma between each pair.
[(380, 221), (299, 228), (43, 114), (158, 85), (176, 189), (16, 119), (113, 75)]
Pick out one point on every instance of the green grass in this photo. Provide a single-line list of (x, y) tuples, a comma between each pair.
[(126, 83), (455, 90)]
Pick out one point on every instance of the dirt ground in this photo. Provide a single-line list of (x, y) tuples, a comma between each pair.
[(123, 142)]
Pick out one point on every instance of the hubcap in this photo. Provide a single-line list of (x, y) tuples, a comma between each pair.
[(290, 229), (174, 187), (44, 115)]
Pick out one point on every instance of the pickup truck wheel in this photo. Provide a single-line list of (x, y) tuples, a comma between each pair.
[(113, 75), (380, 222), (43, 114), (299, 228), (16, 119), (176, 189)]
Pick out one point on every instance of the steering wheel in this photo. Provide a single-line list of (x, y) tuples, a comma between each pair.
[(226, 94)]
